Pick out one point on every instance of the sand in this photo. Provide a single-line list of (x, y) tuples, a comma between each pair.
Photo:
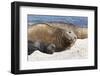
[(78, 51)]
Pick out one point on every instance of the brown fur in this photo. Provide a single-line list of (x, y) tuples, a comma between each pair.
[(44, 33)]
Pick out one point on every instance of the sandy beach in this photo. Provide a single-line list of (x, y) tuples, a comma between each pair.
[(78, 51)]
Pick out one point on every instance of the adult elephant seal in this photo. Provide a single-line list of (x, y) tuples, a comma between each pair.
[(81, 32), (49, 39)]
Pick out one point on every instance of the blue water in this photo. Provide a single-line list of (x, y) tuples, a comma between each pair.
[(76, 20)]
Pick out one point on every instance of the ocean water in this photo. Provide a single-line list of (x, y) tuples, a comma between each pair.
[(76, 20)]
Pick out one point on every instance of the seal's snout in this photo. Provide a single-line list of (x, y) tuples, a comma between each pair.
[(73, 39), (71, 36)]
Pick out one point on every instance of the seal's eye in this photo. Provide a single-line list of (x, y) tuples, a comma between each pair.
[(69, 31)]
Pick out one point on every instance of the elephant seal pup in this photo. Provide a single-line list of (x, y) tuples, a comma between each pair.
[(47, 36), (42, 47), (81, 32)]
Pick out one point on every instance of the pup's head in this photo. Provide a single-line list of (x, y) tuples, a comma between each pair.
[(47, 48)]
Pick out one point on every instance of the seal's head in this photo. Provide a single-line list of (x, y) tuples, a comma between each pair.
[(69, 38), (65, 39)]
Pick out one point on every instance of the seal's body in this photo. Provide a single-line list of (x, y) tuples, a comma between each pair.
[(54, 39)]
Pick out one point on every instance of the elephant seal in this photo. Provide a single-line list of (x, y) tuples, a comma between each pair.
[(81, 32), (49, 39)]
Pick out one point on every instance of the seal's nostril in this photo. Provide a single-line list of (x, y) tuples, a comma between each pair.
[(74, 37)]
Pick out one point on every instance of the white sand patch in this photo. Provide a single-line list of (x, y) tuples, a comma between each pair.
[(78, 51)]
